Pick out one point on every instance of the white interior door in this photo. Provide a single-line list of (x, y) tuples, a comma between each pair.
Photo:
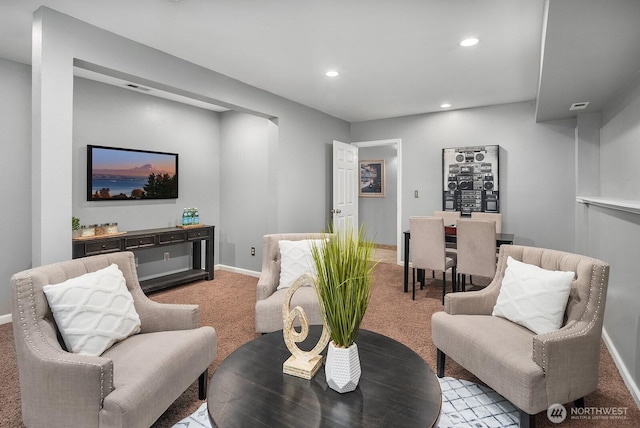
[(345, 190)]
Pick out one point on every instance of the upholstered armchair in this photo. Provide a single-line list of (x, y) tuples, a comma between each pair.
[(269, 299), (533, 371), (131, 383)]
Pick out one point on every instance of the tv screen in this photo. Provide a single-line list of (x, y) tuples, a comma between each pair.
[(127, 174)]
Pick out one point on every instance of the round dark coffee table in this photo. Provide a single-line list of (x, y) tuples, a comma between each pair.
[(397, 388)]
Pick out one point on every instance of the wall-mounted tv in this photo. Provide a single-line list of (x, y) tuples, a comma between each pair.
[(128, 174)]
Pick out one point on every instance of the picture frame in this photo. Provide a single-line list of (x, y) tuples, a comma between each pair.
[(372, 179)]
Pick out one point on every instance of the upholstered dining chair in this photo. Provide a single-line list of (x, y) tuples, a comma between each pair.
[(450, 217), (476, 249), (531, 367), (497, 217), (428, 250)]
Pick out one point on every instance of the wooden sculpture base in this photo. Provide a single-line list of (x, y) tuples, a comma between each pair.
[(301, 368)]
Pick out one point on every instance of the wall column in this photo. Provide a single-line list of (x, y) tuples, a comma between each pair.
[(52, 128)]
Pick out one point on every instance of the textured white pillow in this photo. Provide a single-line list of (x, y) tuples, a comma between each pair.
[(93, 311), (533, 297), (295, 260)]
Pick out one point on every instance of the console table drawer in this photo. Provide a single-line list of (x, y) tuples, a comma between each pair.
[(102, 247), (139, 242), (171, 238), (197, 234)]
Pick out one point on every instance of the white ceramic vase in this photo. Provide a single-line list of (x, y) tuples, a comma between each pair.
[(342, 368)]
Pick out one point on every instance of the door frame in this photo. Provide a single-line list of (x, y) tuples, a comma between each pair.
[(390, 142)]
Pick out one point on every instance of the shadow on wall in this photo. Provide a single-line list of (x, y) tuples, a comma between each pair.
[(227, 251)]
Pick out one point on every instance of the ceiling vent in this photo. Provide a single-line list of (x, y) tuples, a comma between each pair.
[(140, 88), (579, 106)]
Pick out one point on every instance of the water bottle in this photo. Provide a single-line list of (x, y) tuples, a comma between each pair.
[(185, 217), (196, 216)]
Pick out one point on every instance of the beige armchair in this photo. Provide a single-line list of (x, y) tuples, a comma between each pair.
[(533, 371), (269, 299), (132, 383)]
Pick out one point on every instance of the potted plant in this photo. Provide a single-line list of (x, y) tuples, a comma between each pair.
[(343, 283), (75, 226)]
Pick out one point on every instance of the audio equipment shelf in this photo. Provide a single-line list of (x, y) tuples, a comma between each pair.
[(154, 238), (625, 205)]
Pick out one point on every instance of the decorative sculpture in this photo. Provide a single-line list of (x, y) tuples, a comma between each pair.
[(301, 363)]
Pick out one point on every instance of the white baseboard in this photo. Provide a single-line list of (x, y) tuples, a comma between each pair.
[(5, 319), (238, 270), (626, 376)]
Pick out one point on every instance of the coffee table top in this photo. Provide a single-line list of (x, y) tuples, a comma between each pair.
[(397, 388)]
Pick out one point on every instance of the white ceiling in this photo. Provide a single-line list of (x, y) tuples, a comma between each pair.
[(396, 58)]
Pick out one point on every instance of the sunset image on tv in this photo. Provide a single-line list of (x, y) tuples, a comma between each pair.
[(131, 174)]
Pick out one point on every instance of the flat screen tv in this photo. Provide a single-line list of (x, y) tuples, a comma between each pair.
[(128, 174)]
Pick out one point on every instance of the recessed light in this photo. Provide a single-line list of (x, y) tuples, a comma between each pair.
[(332, 73), (469, 42), (445, 105)]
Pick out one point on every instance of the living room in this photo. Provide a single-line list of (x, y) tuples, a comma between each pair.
[(265, 165)]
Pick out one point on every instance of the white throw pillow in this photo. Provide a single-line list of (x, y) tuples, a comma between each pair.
[(533, 297), (295, 260), (93, 311)]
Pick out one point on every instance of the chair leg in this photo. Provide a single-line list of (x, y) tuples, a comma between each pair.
[(413, 293), (526, 420), (202, 385), (440, 360), (454, 285)]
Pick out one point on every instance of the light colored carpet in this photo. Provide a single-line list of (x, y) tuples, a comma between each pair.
[(464, 404)]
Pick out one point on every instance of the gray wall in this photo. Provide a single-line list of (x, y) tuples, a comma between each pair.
[(303, 133), (379, 215), (537, 181), (15, 167), (110, 116), (614, 236), (248, 192)]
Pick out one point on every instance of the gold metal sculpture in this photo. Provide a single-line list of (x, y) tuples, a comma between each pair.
[(301, 363)]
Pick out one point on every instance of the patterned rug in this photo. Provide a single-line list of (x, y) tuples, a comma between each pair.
[(464, 404)]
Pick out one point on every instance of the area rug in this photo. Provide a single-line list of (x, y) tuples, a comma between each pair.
[(464, 404)]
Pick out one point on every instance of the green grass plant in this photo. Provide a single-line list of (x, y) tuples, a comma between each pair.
[(344, 282)]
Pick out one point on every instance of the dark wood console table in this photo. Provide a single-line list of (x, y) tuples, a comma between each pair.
[(154, 238)]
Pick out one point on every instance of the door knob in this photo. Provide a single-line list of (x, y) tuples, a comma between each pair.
[(336, 211)]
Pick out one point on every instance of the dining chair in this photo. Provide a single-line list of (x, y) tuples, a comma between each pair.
[(450, 219), (428, 250), (497, 217), (476, 241)]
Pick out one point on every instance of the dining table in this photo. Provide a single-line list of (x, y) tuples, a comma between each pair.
[(450, 239)]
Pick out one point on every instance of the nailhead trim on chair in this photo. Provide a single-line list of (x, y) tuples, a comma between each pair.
[(557, 335), (23, 323)]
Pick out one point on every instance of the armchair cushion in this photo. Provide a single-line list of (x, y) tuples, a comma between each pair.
[(93, 311), (533, 297), (295, 260)]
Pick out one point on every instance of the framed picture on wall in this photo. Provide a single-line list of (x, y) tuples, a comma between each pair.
[(372, 179)]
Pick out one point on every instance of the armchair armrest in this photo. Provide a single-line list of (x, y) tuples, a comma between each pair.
[(60, 387), (479, 302), (155, 316), (267, 284), (573, 352)]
